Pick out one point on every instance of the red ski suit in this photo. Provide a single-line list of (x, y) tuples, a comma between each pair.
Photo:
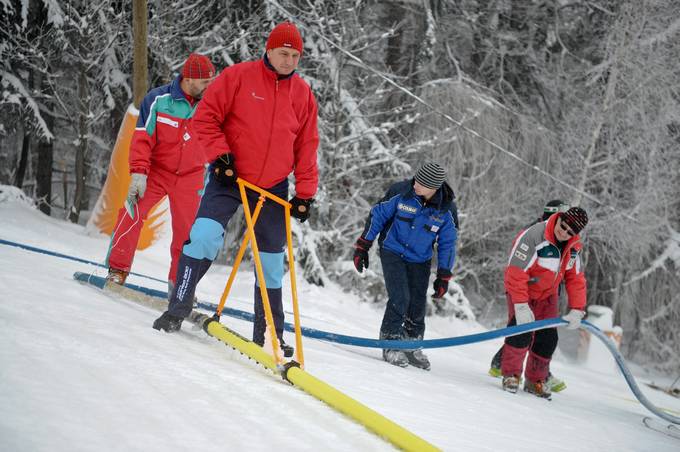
[(267, 122), (535, 270), (165, 149)]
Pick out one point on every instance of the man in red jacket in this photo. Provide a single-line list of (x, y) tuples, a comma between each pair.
[(165, 159), (541, 257), (257, 121)]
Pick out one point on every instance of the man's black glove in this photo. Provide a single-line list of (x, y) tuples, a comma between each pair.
[(224, 170), (441, 284), (360, 258), (299, 208)]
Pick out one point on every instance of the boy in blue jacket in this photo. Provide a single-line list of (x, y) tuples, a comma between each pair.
[(414, 215)]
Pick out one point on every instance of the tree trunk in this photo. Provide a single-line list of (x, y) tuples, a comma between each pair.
[(81, 150), (23, 160), (140, 70), (43, 176), (45, 152)]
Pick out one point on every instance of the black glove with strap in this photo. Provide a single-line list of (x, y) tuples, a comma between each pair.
[(360, 258), (299, 208), (224, 170), (441, 284)]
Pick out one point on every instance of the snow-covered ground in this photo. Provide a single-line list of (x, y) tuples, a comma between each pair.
[(82, 371)]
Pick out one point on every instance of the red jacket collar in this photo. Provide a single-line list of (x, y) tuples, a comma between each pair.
[(550, 232)]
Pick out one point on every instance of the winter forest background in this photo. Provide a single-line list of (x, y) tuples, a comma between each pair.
[(522, 101)]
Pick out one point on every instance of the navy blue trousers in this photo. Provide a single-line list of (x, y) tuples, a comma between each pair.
[(218, 205), (406, 285)]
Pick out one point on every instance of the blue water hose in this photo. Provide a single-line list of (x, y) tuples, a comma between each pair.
[(632, 384), (374, 343), (427, 343), (98, 281), (71, 258)]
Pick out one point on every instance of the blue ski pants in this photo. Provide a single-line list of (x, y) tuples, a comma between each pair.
[(406, 284)]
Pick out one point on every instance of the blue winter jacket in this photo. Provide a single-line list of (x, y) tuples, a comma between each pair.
[(409, 227)]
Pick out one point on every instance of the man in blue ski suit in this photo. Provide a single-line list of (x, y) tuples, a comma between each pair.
[(413, 216)]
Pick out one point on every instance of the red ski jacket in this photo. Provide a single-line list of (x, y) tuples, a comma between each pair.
[(268, 122), (537, 266), (163, 137)]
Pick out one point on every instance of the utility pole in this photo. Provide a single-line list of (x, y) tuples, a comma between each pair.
[(140, 71)]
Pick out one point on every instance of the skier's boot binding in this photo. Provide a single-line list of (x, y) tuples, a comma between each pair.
[(168, 323)]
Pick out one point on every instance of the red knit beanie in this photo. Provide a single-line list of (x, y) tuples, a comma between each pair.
[(198, 66), (285, 34)]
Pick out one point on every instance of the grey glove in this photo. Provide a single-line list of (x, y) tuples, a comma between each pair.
[(574, 317), (137, 187), (523, 313)]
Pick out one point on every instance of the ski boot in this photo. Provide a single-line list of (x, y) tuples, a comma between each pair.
[(168, 323), (537, 388), (117, 276), (555, 384), (416, 357), (287, 350), (395, 357), (511, 383), (495, 369)]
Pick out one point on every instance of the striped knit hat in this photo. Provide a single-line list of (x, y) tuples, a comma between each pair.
[(431, 176), (198, 67), (576, 218), (285, 34)]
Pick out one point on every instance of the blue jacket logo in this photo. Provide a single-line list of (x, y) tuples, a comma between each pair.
[(406, 208)]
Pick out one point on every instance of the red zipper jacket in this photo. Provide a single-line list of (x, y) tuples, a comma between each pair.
[(268, 123), (537, 266)]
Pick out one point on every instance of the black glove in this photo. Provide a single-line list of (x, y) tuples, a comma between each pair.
[(224, 170), (299, 208), (361, 248), (441, 284)]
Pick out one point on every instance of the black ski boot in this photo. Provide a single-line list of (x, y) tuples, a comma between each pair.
[(287, 350), (495, 368), (394, 357), (168, 323), (416, 357)]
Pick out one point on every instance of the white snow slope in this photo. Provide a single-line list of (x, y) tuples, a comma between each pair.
[(82, 371)]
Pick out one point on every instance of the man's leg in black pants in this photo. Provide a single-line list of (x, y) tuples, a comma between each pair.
[(206, 237), (398, 293), (414, 324)]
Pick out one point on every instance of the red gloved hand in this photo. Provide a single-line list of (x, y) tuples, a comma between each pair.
[(441, 284), (361, 248)]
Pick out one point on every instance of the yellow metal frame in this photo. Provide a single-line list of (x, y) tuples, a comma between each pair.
[(250, 237)]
